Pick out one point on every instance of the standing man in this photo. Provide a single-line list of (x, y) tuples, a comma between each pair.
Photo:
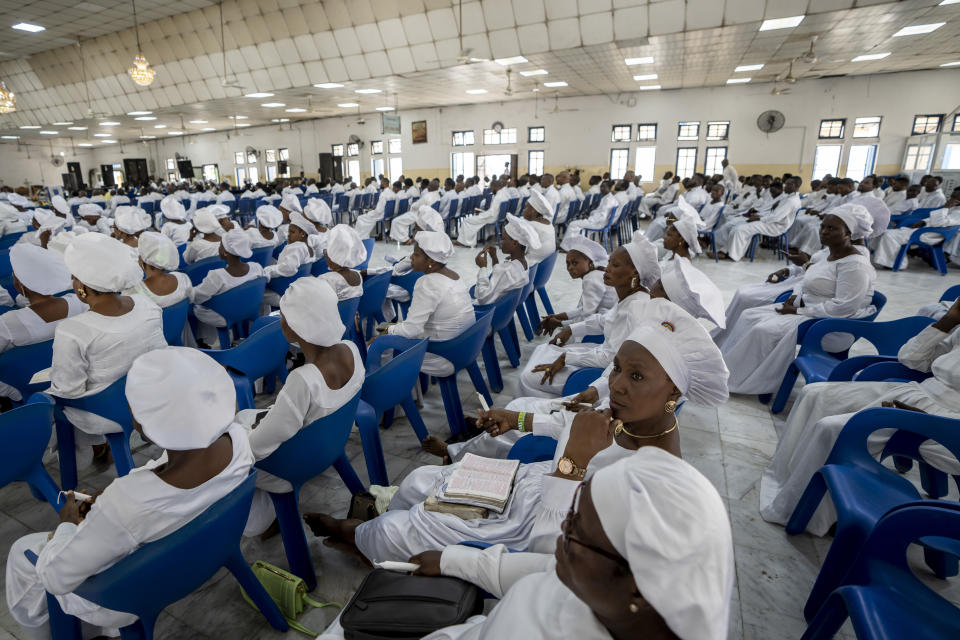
[(730, 176)]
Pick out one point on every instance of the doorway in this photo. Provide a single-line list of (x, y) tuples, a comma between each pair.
[(493, 165)]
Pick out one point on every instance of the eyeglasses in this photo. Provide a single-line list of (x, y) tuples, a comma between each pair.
[(567, 526)]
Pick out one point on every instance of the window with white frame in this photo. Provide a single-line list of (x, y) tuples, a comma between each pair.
[(353, 149), (461, 163), (271, 172), (253, 174), (926, 124), (396, 168), (535, 162), (337, 150), (918, 157), (284, 154), (620, 132), (956, 123), (832, 129), (506, 136), (536, 134), (353, 170), (951, 156), (376, 147), (686, 161), (861, 161), (647, 131), (463, 138), (271, 155), (688, 131), (376, 167), (239, 157), (394, 145), (826, 159), (241, 174), (618, 162), (868, 127), (645, 165), (172, 164), (718, 130), (715, 155)]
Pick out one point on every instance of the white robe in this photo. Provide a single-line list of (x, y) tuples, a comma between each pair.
[(470, 226), (734, 236), (179, 232), (184, 290), (493, 282), (548, 242), (595, 298), (214, 283), (367, 221), (889, 244), (566, 196), (597, 218), (199, 249), (341, 287), (401, 225), (823, 408)]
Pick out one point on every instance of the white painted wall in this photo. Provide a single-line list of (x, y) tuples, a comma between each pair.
[(31, 165), (579, 135)]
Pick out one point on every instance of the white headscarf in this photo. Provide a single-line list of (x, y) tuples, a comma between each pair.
[(40, 270), (172, 209), (18, 200), (522, 231), (540, 204), (181, 397), (345, 247), (89, 209), (291, 203), (685, 351), (236, 242), (131, 220), (436, 244), (102, 263), (269, 216), (205, 222), (644, 258), (669, 523), (693, 291), (309, 306), (593, 250), (219, 210), (318, 211), (300, 221), (856, 217), (159, 251), (686, 226), (60, 205), (429, 220), (49, 221)]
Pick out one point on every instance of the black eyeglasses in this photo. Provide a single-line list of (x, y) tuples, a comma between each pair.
[(567, 526)]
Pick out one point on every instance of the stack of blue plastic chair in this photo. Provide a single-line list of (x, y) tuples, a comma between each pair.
[(863, 490), (26, 433), (542, 277), (304, 456), (174, 320), (19, 364), (199, 269), (263, 354), (386, 386), (502, 310), (239, 307), (161, 572)]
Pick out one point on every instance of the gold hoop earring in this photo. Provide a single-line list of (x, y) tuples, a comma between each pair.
[(670, 407), (635, 282), (634, 607)]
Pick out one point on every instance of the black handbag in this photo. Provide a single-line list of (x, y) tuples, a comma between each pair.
[(390, 605)]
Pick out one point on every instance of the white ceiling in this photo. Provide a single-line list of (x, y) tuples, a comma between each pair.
[(408, 49)]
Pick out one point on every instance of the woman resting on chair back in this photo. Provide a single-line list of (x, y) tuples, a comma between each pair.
[(95, 348), (345, 252), (183, 402), (761, 345), (158, 257)]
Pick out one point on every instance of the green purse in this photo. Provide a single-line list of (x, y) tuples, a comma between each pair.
[(288, 591)]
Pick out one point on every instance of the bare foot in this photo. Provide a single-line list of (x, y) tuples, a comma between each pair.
[(409, 241), (324, 525), (436, 446), (457, 243)]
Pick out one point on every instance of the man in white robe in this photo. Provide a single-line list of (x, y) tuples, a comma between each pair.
[(401, 225), (367, 221), (470, 226), (769, 222), (730, 176), (888, 245), (932, 195)]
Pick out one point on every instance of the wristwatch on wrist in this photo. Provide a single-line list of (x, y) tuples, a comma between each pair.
[(568, 467)]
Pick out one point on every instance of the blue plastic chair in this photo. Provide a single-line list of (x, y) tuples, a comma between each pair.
[(277, 250), (26, 433), (533, 448), (525, 321), (880, 594), (261, 255), (159, 573), (348, 315), (110, 403), (17, 366), (306, 455), (890, 372), (385, 387), (371, 303), (199, 269), (389, 213), (462, 351), (863, 490), (174, 320), (817, 365), (934, 250), (280, 284), (712, 234), (319, 266), (238, 306), (407, 282), (261, 355), (908, 218), (542, 277), (580, 380), (951, 294), (10, 239), (503, 310), (368, 245), (604, 231)]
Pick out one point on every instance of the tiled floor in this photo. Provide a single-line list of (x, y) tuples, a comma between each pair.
[(730, 445)]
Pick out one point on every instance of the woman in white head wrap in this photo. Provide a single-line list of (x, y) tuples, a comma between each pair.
[(175, 224), (205, 243), (440, 307), (332, 374), (91, 218), (586, 261), (518, 237), (45, 225), (658, 227), (129, 223), (264, 234), (183, 402), (345, 252), (10, 221), (763, 342), (222, 213), (655, 367), (235, 251), (158, 257), (632, 270), (539, 213), (318, 212), (62, 210), (681, 239), (95, 348)]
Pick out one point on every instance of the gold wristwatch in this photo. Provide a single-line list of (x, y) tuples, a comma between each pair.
[(568, 467)]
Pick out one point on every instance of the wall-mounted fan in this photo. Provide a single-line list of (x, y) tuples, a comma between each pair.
[(770, 121), (56, 161), (355, 139)]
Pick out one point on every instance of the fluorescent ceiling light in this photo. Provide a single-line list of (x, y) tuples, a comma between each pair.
[(384, 108), (109, 141), (295, 110), (237, 117), (348, 105), (49, 133), (139, 113), (870, 56), (102, 135), (198, 122), (10, 137), (738, 80), (84, 144), (644, 60), (328, 85), (174, 133), (30, 126), (918, 29), (280, 120), (60, 124), (781, 23), (77, 128), (650, 87), (535, 72), (109, 124), (945, 2), (159, 126), (476, 92), (748, 67), (559, 83), (145, 118), (368, 91), (645, 76), (955, 63), (243, 125), (148, 137), (271, 105), (259, 94), (26, 26), (209, 128), (508, 61)]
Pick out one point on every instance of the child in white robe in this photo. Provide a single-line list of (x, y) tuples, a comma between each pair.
[(345, 252), (206, 243), (264, 234), (294, 255), (494, 281), (586, 261), (162, 284)]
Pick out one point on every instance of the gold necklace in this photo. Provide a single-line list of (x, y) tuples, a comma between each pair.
[(621, 429)]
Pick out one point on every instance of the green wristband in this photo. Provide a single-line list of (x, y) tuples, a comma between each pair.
[(521, 418)]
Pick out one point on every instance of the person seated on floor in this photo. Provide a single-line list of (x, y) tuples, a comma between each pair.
[(887, 246), (345, 252), (822, 408), (586, 261), (162, 283), (332, 375), (660, 362), (205, 242), (175, 225), (264, 232), (472, 225), (611, 574), (540, 216), (734, 237), (761, 345), (183, 402), (493, 281)]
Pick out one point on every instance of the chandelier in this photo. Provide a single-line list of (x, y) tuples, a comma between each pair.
[(8, 101), (140, 72)]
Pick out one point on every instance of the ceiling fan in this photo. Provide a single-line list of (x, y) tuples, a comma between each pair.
[(91, 113), (231, 81), (465, 53)]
